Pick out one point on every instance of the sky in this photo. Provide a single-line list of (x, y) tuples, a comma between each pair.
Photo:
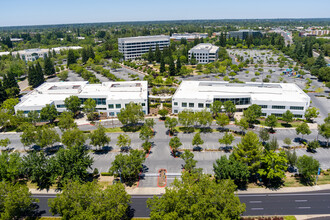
[(40, 12)]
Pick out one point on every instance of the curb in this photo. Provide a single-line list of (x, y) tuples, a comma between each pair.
[(159, 176)]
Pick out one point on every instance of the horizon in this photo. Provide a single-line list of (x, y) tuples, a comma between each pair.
[(38, 13)]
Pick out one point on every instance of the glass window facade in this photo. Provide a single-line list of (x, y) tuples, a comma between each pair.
[(297, 107), (263, 106), (208, 105), (200, 105), (191, 105), (110, 106), (278, 107), (297, 116), (236, 101), (118, 105), (60, 106), (184, 104), (277, 115), (99, 101), (175, 103)]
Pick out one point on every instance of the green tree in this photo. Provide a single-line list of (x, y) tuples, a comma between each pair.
[(178, 65), (89, 108), (263, 134), (3, 94), (71, 58), (98, 137), (202, 199), (81, 201), (162, 65), (171, 67), (189, 162), (4, 142), (72, 104), (128, 166), (170, 123), (9, 105), (204, 117), (149, 122), (73, 137), (66, 121), (311, 147), (242, 123), (16, 201), (230, 108), (150, 55), (63, 75), (292, 158), (271, 121), (193, 60), (308, 168), (131, 114), (252, 113), (48, 66), (48, 113), (273, 167), (197, 140), (146, 133), (287, 116), (46, 136), (216, 108), (227, 139), (186, 118), (237, 171), (311, 113), (222, 120), (71, 165), (84, 56), (158, 54), (303, 129), (163, 112), (324, 131), (33, 117), (249, 151), (175, 143), (10, 85), (10, 166), (39, 169), (287, 141), (28, 134), (123, 140)]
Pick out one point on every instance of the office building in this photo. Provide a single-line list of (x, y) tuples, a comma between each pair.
[(274, 98), (110, 97), (188, 36), (134, 47), (204, 53), (243, 34)]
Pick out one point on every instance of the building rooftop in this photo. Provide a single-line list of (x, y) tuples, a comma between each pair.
[(143, 38), (206, 47), (257, 91), (57, 91)]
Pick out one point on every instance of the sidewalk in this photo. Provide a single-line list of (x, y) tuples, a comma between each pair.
[(159, 190)]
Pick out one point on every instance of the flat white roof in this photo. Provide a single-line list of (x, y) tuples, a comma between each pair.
[(144, 39), (57, 91), (205, 47), (286, 92)]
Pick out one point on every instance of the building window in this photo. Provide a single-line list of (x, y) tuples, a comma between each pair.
[(175, 103), (278, 107), (297, 107), (208, 105), (297, 116), (184, 104), (143, 104), (263, 114), (60, 106), (26, 112), (191, 105), (277, 115), (118, 105), (236, 101), (111, 106), (100, 109), (111, 114), (200, 105), (263, 106), (175, 111)]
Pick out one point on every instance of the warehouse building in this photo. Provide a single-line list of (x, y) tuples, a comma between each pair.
[(204, 53), (110, 97), (274, 98), (134, 47)]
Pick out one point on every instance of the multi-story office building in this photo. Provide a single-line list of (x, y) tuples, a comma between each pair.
[(204, 53), (243, 34), (274, 98), (34, 54), (110, 97), (134, 47), (188, 36)]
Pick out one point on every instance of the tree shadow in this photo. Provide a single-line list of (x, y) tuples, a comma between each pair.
[(206, 130), (197, 148), (125, 149), (286, 125), (129, 213), (53, 149), (103, 150), (226, 149), (222, 129), (132, 128), (187, 129)]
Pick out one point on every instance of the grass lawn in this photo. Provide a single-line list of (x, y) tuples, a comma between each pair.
[(281, 124), (295, 182), (112, 130)]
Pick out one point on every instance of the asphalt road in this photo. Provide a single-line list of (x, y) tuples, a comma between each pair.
[(317, 202)]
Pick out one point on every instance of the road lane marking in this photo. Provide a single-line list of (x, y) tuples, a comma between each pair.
[(255, 201), (304, 207), (242, 195), (256, 209), (301, 194), (300, 200)]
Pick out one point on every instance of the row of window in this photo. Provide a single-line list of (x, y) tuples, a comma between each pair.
[(99, 101), (27, 112), (119, 106), (192, 105), (150, 42), (236, 101), (280, 115), (116, 113), (283, 107)]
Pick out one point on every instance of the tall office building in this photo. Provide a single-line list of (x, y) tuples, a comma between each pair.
[(134, 47)]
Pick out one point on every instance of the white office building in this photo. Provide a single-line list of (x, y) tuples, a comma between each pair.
[(188, 36), (204, 53), (110, 97), (34, 54), (274, 98), (134, 47)]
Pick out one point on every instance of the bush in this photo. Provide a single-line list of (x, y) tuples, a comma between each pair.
[(105, 174), (96, 171)]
